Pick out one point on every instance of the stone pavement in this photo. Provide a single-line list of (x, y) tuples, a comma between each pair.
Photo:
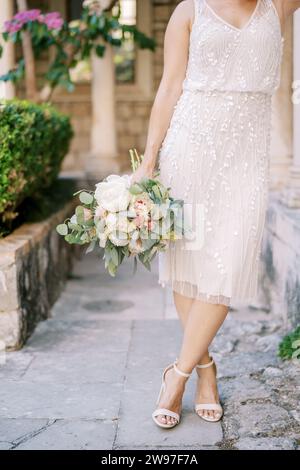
[(88, 378)]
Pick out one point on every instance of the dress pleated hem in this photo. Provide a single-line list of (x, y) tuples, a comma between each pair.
[(187, 289)]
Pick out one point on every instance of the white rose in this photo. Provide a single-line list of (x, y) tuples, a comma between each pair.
[(111, 221), (103, 238), (119, 239), (112, 194), (123, 224)]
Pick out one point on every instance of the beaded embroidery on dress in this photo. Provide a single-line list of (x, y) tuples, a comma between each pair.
[(215, 154)]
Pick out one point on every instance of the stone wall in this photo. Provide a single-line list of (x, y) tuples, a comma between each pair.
[(78, 105), (280, 276), (34, 265)]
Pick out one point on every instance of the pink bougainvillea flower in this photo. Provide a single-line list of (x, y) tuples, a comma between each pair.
[(52, 20), (12, 27), (29, 15), (55, 24)]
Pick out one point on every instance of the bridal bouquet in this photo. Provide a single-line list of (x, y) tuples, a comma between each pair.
[(126, 219)]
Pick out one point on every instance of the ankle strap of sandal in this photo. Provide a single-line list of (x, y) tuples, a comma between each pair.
[(183, 374), (204, 366)]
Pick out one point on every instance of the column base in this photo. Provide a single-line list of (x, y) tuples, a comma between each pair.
[(290, 196), (98, 167)]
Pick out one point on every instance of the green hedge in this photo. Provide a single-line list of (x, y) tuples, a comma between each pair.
[(33, 142)]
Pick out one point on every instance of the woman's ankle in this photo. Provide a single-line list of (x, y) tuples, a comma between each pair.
[(205, 359)]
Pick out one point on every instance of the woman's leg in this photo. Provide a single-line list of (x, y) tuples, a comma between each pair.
[(202, 323), (207, 390), (183, 306)]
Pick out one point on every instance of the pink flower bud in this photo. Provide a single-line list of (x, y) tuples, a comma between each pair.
[(100, 212), (87, 215), (139, 221)]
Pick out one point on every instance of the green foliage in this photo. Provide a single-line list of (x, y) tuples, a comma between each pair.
[(34, 140), (80, 229), (289, 347), (73, 43)]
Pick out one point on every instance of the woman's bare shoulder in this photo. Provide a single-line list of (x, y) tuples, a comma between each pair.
[(286, 7), (184, 13), (278, 4)]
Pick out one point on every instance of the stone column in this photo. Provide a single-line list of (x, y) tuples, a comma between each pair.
[(103, 159), (291, 194), (282, 118), (7, 90)]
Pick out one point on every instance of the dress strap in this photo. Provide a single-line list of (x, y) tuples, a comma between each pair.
[(198, 7)]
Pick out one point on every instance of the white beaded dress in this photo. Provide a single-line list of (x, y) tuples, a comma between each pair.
[(215, 155)]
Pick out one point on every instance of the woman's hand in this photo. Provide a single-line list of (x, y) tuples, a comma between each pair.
[(143, 171)]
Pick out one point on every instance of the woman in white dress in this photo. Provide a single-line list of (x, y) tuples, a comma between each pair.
[(210, 128)]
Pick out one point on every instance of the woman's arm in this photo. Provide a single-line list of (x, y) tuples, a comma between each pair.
[(176, 48), (289, 7)]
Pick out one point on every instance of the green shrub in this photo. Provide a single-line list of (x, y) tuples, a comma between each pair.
[(33, 142), (290, 345)]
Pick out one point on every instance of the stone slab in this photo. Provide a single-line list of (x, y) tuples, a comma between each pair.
[(14, 430), (5, 445), (15, 365), (73, 435), (21, 399), (77, 367), (138, 405), (143, 379), (81, 335)]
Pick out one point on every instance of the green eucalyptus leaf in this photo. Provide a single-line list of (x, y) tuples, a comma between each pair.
[(91, 247), (70, 238), (115, 256), (62, 229), (80, 214), (112, 268), (86, 198), (107, 254), (145, 263), (75, 227), (135, 189)]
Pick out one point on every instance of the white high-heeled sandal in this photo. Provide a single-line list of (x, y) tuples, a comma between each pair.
[(165, 411), (209, 406)]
